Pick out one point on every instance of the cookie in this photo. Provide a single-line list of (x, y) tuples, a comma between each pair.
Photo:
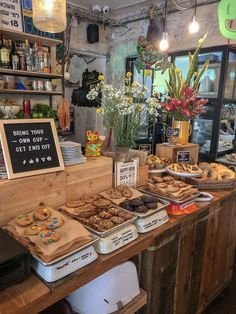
[(127, 193), (76, 203), (54, 222), (24, 220), (104, 214), (136, 202), (42, 214), (149, 199), (115, 194), (151, 205), (141, 209), (117, 220), (95, 219), (102, 203), (33, 230), (106, 224), (49, 236), (125, 205), (125, 216), (114, 211)]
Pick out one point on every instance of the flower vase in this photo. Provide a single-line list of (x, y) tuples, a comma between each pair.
[(185, 130), (122, 153)]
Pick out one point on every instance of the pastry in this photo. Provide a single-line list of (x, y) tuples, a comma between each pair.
[(127, 193), (95, 219), (117, 220), (149, 199), (85, 211), (162, 185), (102, 203), (49, 236), (24, 220), (54, 222), (42, 214), (33, 230), (125, 205), (125, 216), (106, 224), (172, 189), (158, 179), (168, 179), (141, 209), (136, 202), (114, 211), (77, 203), (114, 193), (120, 188), (151, 205), (104, 214)]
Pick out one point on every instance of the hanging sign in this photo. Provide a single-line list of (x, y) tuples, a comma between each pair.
[(183, 156), (30, 147), (11, 16), (227, 17), (126, 173)]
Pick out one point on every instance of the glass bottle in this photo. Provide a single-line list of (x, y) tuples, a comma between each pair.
[(47, 61), (26, 108), (22, 57), (5, 55), (15, 59), (39, 53)]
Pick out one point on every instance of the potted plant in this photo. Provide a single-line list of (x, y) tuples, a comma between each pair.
[(182, 102)]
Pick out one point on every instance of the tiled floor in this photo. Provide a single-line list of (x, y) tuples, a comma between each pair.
[(226, 302)]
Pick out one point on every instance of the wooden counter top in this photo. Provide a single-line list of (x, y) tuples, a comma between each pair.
[(33, 295)]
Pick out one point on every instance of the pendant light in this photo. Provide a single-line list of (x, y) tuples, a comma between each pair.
[(49, 15), (164, 44), (194, 25)]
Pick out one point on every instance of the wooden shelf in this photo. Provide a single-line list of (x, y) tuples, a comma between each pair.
[(31, 38), (30, 92), (31, 74), (136, 304)]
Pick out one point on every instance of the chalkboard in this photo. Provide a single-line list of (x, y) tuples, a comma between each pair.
[(183, 156), (30, 147)]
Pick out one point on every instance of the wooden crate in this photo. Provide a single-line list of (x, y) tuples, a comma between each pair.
[(170, 152), (54, 189)]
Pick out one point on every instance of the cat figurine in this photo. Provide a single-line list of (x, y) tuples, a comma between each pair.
[(94, 144)]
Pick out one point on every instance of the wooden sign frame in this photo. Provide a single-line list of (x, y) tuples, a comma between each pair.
[(6, 152)]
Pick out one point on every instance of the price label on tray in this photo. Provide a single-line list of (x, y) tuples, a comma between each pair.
[(151, 222), (122, 238)]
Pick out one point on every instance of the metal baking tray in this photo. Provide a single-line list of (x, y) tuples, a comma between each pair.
[(167, 198), (150, 212), (95, 238), (103, 234)]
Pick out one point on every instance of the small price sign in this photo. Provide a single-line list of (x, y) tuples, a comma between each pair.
[(172, 132), (146, 148), (11, 15), (183, 156)]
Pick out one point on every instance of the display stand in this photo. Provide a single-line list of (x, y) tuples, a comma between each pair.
[(170, 151)]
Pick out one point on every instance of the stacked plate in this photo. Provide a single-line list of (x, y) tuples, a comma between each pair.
[(72, 153)]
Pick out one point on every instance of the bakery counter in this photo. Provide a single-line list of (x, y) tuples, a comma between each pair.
[(188, 254)]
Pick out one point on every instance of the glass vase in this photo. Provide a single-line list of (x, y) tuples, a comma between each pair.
[(122, 153)]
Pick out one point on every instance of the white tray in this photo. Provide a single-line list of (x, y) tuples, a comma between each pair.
[(230, 159), (183, 174)]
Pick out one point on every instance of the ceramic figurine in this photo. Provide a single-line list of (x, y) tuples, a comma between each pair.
[(94, 144)]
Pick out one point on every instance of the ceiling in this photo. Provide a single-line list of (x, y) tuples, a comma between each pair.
[(113, 4)]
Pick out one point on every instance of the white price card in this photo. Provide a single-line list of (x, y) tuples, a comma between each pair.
[(126, 173), (11, 15)]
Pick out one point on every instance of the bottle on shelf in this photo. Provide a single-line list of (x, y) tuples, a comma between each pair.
[(47, 62), (39, 58), (29, 57), (5, 55), (15, 59)]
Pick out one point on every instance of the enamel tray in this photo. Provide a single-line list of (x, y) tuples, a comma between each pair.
[(184, 174), (167, 198), (95, 238), (114, 229), (162, 205)]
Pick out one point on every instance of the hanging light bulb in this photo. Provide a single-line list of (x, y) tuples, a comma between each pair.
[(164, 44), (49, 15), (194, 25)]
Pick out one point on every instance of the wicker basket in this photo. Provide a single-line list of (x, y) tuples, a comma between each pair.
[(213, 184)]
